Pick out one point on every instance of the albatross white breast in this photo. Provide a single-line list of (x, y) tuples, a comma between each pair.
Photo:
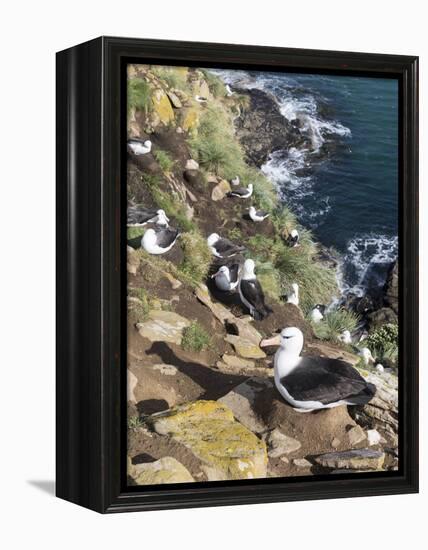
[(312, 383), (257, 215)]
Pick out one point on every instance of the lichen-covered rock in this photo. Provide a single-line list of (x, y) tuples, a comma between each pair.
[(162, 106), (220, 190), (359, 459), (245, 348), (163, 326), (189, 120), (208, 428), (173, 97), (164, 470)]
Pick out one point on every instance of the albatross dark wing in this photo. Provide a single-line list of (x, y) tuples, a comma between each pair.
[(139, 215), (253, 293), (327, 381), (226, 248), (165, 237), (234, 272), (239, 192)]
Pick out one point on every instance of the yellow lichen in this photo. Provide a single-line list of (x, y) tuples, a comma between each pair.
[(162, 106)]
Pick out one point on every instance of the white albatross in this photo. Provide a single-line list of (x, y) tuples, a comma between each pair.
[(367, 356), (257, 215), (223, 248), (317, 313), (345, 337), (200, 99), (227, 277), (242, 192), (159, 241), (311, 383), (235, 180), (139, 147)]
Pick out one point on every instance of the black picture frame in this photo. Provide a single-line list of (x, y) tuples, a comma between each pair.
[(91, 341)]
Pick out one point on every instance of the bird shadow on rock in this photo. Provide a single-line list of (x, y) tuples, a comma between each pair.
[(214, 383)]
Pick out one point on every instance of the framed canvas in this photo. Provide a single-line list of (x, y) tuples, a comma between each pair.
[(237, 274)]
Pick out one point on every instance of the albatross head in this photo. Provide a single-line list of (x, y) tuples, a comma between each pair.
[(212, 239), (290, 340), (224, 270), (162, 217), (295, 288), (250, 187), (294, 233), (252, 210), (248, 269), (148, 144)]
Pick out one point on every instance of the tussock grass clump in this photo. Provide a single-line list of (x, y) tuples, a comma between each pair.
[(334, 323), (139, 311), (174, 77), (197, 257), (170, 202), (215, 84), (383, 343), (139, 95), (195, 338), (164, 159)]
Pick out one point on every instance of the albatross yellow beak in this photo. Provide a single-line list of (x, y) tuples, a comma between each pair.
[(274, 341)]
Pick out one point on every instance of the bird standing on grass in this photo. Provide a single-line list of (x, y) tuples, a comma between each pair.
[(312, 383)]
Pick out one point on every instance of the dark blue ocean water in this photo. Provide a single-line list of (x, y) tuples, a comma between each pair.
[(349, 197)]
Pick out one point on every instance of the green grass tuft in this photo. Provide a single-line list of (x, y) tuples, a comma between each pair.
[(139, 95), (197, 257), (334, 323), (164, 159), (195, 338), (383, 343), (174, 77)]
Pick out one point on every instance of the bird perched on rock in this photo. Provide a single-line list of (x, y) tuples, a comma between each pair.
[(223, 248), (200, 99), (159, 241), (227, 277), (139, 216), (257, 215), (293, 238), (311, 383), (251, 292), (139, 147), (317, 313), (242, 192)]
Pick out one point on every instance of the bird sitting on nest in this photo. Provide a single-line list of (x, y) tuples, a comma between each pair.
[(200, 99), (312, 383), (223, 248), (227, 277), (139, 216), (317, 313), (242, 192), (257, 215), (159, 241), (139, 147), (251, 292), (293, 238)]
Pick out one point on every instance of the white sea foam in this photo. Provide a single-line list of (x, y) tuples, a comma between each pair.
[(365, 257)]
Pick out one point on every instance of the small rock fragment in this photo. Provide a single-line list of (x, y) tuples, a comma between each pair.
[(356, 435), (280, 444)]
